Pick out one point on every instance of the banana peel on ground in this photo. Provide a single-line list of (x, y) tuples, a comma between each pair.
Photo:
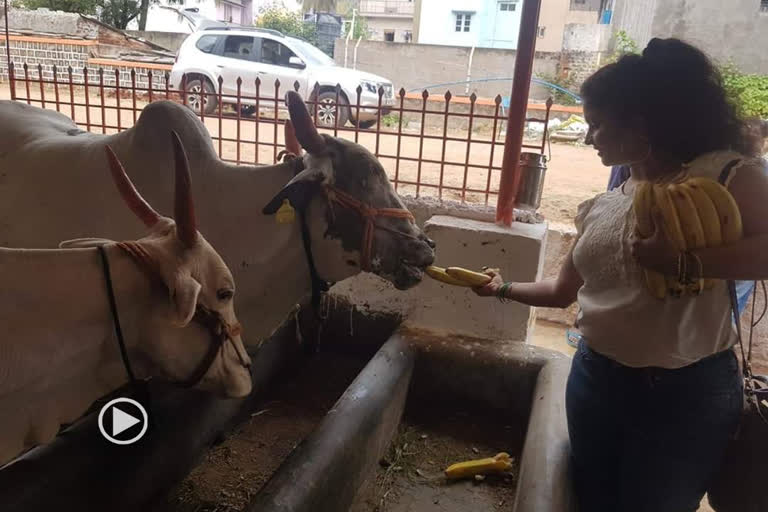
[(458, 276), (500, 463)]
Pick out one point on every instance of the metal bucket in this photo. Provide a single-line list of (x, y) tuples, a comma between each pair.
[(533, 167)]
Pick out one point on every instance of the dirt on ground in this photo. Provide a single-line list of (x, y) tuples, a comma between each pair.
[(411, 477), (233, 471)]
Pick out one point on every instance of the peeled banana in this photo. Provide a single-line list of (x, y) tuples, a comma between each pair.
[(697, 213), (498, 464)]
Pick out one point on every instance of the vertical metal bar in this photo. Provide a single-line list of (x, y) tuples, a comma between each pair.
[(277, 100), (133, 93), (184, 89), (26, 83), (221, 133), (203, 98), (338, 111), (546, 124), (445, 143), (378, 121), (71, 93), (150, 85), (472, 100), (56, 88), (359, 92), (424, 96), (103, 101), (497, 100), (316, 96), (87, 101), (518, 101), (42, 85), (258, 120), (239, 84), (399, 138), (8, 53), (12, 79), (166, 78), (117, 100)]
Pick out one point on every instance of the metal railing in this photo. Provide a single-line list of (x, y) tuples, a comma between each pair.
[(393, 7), (442, 146)]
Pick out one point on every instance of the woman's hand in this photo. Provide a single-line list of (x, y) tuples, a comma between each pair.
[(655, 252), (491, 289)]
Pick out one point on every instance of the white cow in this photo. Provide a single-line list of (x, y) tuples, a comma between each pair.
[(52, 187), (174, 301)]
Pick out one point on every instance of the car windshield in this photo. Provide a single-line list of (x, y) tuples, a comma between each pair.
[(312, 54)]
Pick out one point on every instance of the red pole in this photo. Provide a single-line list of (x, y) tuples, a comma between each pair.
[(518, 102), (8, 45)]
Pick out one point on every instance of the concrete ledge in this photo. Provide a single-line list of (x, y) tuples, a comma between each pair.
[(543, 483), (516, 250), (328, 468)]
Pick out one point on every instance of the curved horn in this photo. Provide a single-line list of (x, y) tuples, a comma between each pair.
[(305, 129), (128, 192), (184, 208), (291, 142)]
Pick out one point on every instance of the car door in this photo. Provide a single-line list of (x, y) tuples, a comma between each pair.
[(279, 62), (238, 58)]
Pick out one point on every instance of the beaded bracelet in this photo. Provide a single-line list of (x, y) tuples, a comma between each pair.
[(501, 293)]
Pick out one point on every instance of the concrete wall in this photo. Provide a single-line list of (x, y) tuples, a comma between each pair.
[(636, 18), (726, 30), (416, 66), (45, 21), (169, 40), (586, 37), (378, 25)]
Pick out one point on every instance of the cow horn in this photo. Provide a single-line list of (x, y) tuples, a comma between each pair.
[(305, 129), (184, 208), (291, 142), (128, 192)]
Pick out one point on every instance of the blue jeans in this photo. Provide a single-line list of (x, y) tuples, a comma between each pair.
[(649, 439)]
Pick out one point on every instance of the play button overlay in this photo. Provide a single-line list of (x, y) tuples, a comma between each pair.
[(123, 421)]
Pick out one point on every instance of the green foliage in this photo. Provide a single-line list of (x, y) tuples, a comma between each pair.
[(87, 7), (119, 13), (361, 27), (566, 82), (748, 92), (624, 45), (290, 23), (392, 120)]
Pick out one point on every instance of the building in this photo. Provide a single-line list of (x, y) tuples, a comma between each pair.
[(388, 20), (736, 30), (474, 23), (556, 15), (186, 15)]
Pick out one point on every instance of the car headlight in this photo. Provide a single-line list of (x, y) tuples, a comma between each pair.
[(369, 86)]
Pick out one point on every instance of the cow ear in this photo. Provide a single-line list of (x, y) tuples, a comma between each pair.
[(299, 191), (184, 293), (84, 243)]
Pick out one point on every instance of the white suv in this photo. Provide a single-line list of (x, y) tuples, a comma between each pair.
[(248, 53)]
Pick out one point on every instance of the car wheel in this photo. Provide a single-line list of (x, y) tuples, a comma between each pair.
[(370, 123), (327, 110), (247, 110), (196, 99)]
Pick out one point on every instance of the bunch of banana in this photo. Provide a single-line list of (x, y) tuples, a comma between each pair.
[(458, 276), (697, 213)]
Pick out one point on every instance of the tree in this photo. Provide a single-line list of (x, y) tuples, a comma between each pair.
[(288, 22), (319, 5), (81, 6), (119, 13)]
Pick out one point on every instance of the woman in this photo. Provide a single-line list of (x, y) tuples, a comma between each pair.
[(654, 392)]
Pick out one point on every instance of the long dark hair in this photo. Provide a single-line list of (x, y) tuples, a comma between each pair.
[(677, 91)]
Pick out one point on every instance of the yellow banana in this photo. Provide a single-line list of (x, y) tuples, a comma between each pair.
[(727, 209), (671, 226), (642, 204), (693, 231), (710, 221), (439, 274), (500, 463), (473, 279), (656, 284)]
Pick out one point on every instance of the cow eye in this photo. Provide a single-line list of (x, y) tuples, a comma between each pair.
[(224, 294)]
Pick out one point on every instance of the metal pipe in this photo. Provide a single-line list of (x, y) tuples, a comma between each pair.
[(510, 175), (469, 70), (354, 56)]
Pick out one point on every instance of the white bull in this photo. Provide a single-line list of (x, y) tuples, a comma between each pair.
[(174, 299), (52, 187)]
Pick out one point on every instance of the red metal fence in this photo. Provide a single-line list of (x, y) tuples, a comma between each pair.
[(447, 147)]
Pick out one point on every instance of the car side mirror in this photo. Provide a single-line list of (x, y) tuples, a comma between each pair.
[(296, 62)]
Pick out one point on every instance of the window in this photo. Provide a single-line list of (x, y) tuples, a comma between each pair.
[(238, 47), (463, 21), (542, 31), (407, 36), (207, 44), (275, 53), (507, 6), (389, 35), (763, 5)]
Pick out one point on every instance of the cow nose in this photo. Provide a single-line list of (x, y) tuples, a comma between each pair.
[(427, 241)]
